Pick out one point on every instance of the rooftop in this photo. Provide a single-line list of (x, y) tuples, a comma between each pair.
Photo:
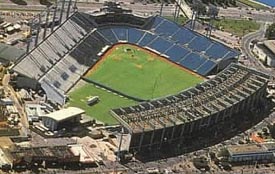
[(10, 53), (270, 44), (64, 114), (250, 148)]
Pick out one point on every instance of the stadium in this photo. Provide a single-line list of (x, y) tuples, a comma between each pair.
[(149, 73)]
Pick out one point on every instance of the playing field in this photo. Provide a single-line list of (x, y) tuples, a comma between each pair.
[(140, 73), (99, 111), (132, 71)]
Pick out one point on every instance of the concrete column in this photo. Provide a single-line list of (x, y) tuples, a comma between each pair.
[(46, 25), (141, 140), (61, 11), (182, 129), (162, 135), (54, 16), (38, 30), (192, 126), (152, 138), (68, 9)]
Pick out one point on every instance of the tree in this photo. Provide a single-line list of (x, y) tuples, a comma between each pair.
[(213, 11), (199, 7), (270, 32)]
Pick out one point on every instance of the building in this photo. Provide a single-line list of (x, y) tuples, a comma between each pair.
[(251, 152), (34, 111), (266, 52), (9, 53), (63, 118)]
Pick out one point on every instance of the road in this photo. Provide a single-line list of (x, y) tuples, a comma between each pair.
[(137, 8), (245, 45), (252, 60), (237, 13)]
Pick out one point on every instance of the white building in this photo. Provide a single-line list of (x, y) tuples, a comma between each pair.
[(266, 52), (68, 117)]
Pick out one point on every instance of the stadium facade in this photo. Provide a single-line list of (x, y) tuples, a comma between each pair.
[(172, 119), (77, 44)]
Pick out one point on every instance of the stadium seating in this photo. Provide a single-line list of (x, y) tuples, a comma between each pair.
[(206, 67), (157, 20), (121, 33), (109, 35), (77, 44), (146, 39), (183, 36), (200, 44), (134, 35), (167, 28), (213, 53), (176, 52), (192, 61), (160, 45)]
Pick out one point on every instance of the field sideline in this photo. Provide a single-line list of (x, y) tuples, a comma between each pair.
[(134, 71)]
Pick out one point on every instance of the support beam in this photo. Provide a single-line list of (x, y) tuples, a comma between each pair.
[(161, 7), (54, 16), (46, 24), (68, 9), (38, 30), (61, 11), (29, 38)]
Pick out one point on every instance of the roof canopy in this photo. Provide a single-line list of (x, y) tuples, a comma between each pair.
[(65, 114)]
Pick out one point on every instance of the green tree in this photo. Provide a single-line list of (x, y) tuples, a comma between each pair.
[(270, 32)]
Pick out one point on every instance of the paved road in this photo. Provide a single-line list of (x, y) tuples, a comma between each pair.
[(245, 45), (236, 13), (137, 8)]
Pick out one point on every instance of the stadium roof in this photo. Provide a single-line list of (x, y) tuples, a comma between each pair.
[(270, 44), (9, 53), (244, 149), (65, 114)]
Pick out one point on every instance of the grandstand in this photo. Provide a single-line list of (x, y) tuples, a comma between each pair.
[(77, 44), (172, 119)]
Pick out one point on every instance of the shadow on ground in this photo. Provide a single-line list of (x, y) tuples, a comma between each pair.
[(19, 2)]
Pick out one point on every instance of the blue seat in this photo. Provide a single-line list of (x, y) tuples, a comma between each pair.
[(231, 54), (121, 33), (192, 61), (160, 45), (134, 35), (108, 35), (183, 36), (200, 43), (156, 22), (206, 67), (146, 39), (167, 28), (217, 51), (176, 53)]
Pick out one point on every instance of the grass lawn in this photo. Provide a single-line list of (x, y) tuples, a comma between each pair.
[(181, 20), (253, 4), (237, 27), (99, 111), (140, 73)]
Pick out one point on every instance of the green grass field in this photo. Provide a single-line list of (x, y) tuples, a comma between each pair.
[(99, 111), (134, 72), (140, 74), (239, 27)]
